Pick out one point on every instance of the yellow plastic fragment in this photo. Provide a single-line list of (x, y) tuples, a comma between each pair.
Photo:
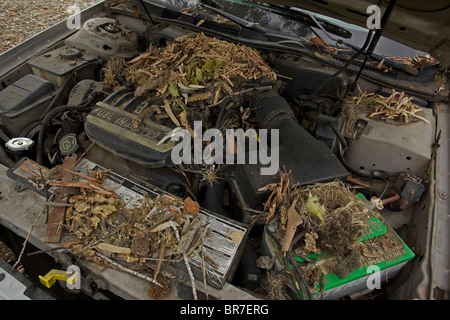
[(50, 278), (313, 206)]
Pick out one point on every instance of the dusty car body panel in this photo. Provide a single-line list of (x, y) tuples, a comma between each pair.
[(423, 224)]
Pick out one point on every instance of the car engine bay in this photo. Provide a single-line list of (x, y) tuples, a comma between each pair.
[(88, 125)]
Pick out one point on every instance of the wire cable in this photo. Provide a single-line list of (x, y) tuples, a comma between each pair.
[(390, 7), (66, 84), (50, 116)]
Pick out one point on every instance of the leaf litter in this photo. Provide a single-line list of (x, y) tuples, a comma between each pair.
[(141, 240)]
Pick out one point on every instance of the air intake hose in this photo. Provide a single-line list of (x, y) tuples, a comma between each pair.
[(270, 108), (309, 159)]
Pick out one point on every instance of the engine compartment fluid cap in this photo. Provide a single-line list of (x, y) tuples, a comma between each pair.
[(19, 144), (70, 53), (68, 144)]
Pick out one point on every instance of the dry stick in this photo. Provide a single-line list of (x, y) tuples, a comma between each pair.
[(167, 217), (204, 272), (122, 268), (28, 235), (84, 153), (161, 256), (407, 112), (47, 250), (56, 204), (82, 175), (186, 261)]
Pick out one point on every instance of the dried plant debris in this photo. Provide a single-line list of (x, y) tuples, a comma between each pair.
[(380, 246), (156, 292), (333, 217), (115, 66), (190, 206), (136, 239), (191, 69), (329, 237), (411, 64), (342, 219), (417, 61), (278, 200), (396, 107), (276, 286), (209, 176), (320, 44)]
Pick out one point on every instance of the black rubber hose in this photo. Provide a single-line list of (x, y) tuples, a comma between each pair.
[(338, 133), (5, 159), (166, 186), (353, 170), (364, 175), (3, 136), (270, 108), (299, 274), (65, 85), (291, 260), (49, 117), (386, 185)]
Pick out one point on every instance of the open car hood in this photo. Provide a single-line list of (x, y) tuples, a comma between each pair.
[(423, 25), (89, 120)]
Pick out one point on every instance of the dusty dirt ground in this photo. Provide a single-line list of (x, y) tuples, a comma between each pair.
[(22, 19)]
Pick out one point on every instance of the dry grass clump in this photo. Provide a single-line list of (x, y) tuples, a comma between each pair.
[(344, 217), (334, 218)]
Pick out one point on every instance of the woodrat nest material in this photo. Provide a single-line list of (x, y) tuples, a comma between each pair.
[(190, 68), (334, 218), (139, 239), (397, 106)]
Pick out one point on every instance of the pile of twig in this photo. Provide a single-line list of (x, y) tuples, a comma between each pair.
[(417, 61), (397, 106), (191, 68), (131, 239)]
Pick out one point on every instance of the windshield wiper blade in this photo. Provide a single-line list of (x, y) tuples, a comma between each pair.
[(239, 21), (299, 15)]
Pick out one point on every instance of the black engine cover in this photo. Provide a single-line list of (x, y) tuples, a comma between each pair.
[(113, 126)]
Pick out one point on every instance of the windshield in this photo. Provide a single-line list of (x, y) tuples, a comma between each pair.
[(252, 13), (276, 20)]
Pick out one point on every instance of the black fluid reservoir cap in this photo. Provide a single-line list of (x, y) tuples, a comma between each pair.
[(68, 144), (70, 53)]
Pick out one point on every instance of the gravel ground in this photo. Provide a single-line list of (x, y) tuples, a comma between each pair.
[(22, 19), (19, 21)]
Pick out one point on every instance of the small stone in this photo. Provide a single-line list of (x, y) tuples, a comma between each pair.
[(140, 246)]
